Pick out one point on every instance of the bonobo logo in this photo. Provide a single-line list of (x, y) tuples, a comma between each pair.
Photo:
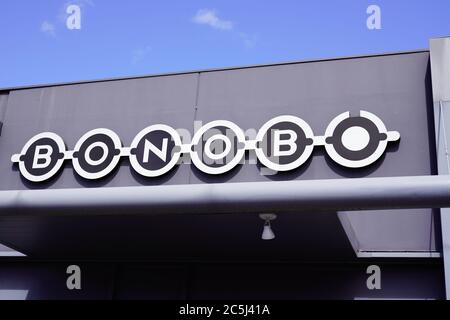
[(282, 144)]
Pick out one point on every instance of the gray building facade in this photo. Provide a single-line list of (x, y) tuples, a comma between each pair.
[(187, 234)]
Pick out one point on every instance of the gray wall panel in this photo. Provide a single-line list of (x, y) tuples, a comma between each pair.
[(125, 107), (392, 87)]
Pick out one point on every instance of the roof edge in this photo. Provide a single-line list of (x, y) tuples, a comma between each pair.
[(57, 84)]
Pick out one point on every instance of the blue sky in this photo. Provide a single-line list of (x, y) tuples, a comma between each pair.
[(138, 37)]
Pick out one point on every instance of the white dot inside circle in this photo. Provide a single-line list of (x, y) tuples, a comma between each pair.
[(355, 138)]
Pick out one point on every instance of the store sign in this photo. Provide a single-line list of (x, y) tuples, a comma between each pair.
[(283, 143)]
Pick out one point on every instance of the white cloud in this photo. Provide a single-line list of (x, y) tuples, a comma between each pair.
[(139, 54), (81, 3), (249, 40), (89, 2), (48, 28), (210, 18)]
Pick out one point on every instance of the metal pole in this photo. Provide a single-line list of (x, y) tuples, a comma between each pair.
[(248, 197)]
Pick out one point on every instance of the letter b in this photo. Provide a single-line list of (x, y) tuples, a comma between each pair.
[(278, 142), (38, 155)]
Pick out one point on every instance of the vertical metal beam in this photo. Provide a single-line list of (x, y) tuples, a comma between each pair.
[(3, 104), (440, 72)]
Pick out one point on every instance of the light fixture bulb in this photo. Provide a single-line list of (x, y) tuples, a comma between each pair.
[(267, 230)]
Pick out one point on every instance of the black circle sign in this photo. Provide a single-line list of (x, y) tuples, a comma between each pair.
[(218, 147), (41, 157), (155, 150), (284, 143), (356, 141), (355, 155), (96, 153)]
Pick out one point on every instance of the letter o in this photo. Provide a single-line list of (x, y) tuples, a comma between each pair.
[(240, 136), (101, 139)]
